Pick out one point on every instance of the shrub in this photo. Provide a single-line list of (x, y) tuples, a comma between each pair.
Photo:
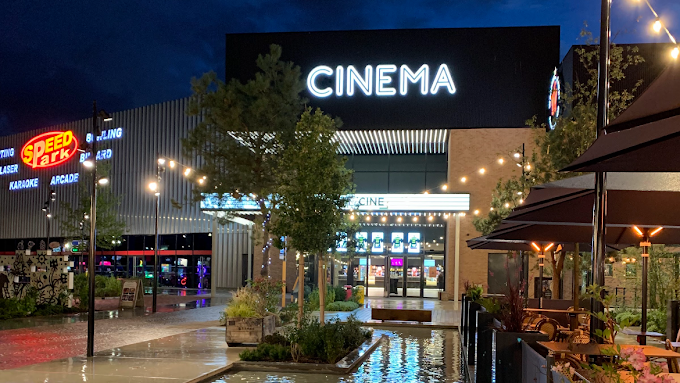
[(492, 305), (267, 352), (270, 290), (104, 287), (276, 338), (340, 294), (342, 306), (246, 303), (632, 317), (656, 320), (313, 300), (330, 342), (18, 308)]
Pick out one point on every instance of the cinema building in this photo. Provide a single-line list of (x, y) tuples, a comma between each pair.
[(427, 114)]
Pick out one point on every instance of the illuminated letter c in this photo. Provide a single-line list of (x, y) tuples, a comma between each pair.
[(322, 69)]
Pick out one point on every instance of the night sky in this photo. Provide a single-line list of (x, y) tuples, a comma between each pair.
[(57, 56)]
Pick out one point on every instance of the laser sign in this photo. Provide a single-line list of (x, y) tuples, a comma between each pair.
[(49, 149)]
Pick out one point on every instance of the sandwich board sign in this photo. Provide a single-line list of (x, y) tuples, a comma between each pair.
[(132, 294)]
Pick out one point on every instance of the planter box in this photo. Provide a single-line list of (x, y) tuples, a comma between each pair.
[(507, 354), (472, 330), (484, 341), (249, 330)]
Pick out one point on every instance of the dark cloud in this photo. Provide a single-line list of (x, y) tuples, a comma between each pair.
[(55, 57)]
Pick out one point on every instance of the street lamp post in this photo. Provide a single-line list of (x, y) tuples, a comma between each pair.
[(47, 208), (157, 194), (93, 219)]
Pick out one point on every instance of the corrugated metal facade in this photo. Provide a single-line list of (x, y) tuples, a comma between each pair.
[(146, 131)]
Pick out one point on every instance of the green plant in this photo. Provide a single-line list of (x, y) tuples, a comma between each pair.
[(491, 305), (656, 321), (339, 294), (342, 306), (632, 317), (313, 300), (276, 338), (472, 291), (612, 325), (269, 291), (267, 352), (330, 342), (246, 303)]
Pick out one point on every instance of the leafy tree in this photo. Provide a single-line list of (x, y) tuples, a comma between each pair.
[(109, 227), (245, 129), (313, 192), (574, 132)]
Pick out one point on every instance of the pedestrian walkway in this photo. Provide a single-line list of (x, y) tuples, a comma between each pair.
[(443, 312), (176, 358)]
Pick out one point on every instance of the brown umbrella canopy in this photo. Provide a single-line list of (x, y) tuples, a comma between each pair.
[(485, 243), (645, 137), (644, 199)]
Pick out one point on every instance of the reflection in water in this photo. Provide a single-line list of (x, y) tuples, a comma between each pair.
[(409, 356)]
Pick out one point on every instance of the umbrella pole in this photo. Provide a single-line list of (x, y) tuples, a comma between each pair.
[(645, 269), (576, 282), (541, 258), (600, 205)]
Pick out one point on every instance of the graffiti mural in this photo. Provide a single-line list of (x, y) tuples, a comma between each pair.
[(26, 269)]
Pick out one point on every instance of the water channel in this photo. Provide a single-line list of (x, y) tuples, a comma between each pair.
[(409, 355)]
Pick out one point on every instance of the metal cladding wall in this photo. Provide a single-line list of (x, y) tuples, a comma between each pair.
[(145, 132), (236, 240)]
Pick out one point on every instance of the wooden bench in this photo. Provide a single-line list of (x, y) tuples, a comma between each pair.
[(401, 315)]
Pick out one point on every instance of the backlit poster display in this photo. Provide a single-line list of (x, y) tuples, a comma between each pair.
[(362, 241), (341, 245), (414, 243), (397, 242), (377, 238)]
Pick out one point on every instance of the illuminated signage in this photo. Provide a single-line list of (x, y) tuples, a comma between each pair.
[(64, 179), (106, 135), (23, 184), (362, 241), (383, 83), (49, 149), (397, 242), (397, 262), (9, 169), (414, 243), (377, 240), (103, 154), (554, 100), (364, 202), (6, 153)]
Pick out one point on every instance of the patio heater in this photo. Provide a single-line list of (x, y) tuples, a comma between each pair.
[(645, 244), (541, 263)]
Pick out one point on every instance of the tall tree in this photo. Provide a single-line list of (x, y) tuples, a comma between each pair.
[(110, 228), (574, 132), (245, 129), (315, 185)]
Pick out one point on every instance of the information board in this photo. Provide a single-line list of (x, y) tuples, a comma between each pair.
[(132, 294)]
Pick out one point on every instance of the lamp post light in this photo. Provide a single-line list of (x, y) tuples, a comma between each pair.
[(541, 263), (154, 186), (645, 234), (96, 114), (48, 214)]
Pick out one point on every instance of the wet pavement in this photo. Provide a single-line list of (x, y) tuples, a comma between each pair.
[(176, 358), (26, 346)]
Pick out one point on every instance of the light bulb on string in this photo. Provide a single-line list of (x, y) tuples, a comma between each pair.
[(675, 52), (657, 25)]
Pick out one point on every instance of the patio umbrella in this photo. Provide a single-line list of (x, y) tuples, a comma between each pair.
[(642, 199), (645, 137)]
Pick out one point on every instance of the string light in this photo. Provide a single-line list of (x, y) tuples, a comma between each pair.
[(500, 161), (463, 179), (445, 186), (657, 25), (476, 212), (482, 171)]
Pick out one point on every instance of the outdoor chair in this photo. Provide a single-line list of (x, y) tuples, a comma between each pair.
[(530, 322), (549, 327)]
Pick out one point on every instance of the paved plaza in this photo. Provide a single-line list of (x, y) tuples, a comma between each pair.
[(173, 346)]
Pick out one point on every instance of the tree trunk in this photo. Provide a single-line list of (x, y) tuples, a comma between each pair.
[(322, 293), (264, 272), (557, 265), (301, 288), (577, 276)]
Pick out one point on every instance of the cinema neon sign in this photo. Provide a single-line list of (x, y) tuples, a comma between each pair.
[(49, 149), (381, 80)]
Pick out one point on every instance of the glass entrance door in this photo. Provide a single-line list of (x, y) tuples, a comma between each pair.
[(414, 276)]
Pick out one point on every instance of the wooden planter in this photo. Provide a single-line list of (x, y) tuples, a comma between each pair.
[(249, 330), (507, 354)]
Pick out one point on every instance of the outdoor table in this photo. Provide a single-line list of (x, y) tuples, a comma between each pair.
[(675, 344), (596, 350), (641, 336), (675, 377), (571, 313)]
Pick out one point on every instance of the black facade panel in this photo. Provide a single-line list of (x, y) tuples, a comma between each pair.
[(501, 75), (407, 182)]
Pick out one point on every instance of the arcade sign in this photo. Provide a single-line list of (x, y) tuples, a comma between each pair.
[(49, 149), (387, 79)]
